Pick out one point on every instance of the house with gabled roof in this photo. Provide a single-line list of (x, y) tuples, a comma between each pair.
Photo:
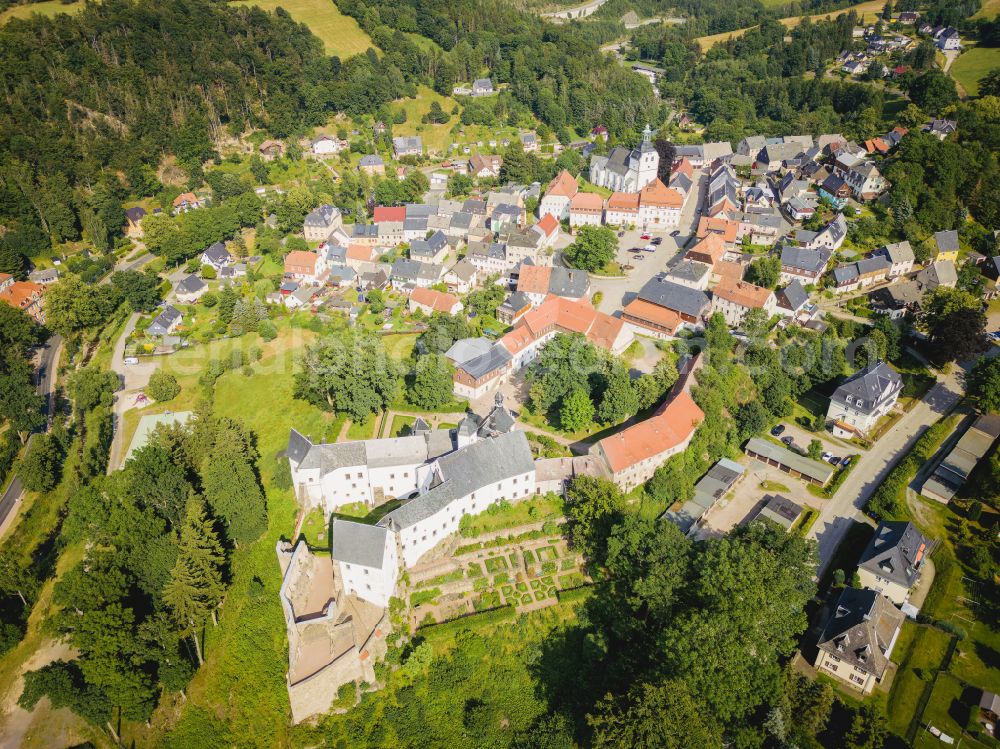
[(165, 323), (190, 289), (893, 560), (735, 299), (862, 399), (320, 222), (802, 264), (858, 638), (900, 257), (946, 245), (217, 256), (560, 192)]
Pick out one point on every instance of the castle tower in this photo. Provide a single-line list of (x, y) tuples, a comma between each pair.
[(649, 159)]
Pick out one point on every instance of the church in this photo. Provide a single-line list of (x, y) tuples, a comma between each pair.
[(625, 170)]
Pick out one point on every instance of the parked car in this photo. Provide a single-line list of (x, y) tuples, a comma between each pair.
[(649, 248), (675, 233), (827, 456), (788, 440), (621, 234), (639, 257), (834, 460), (778, 430), (646, 237), (995, 335), (657, 241), (131, 360), (845, 462)]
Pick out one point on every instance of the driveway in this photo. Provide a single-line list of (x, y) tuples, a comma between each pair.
[(133, 377), (836, 515)]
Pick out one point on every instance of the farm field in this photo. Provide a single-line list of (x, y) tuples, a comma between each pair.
[(340, 34), (48, 8), (869, 10), (973, 65), (990, 10)]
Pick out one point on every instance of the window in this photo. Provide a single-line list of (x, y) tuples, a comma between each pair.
[(392, 475), (366, 570), (369, 587), (857, 679)]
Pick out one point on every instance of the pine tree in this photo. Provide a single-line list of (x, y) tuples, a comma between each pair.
[(195, 587), (231, 486)]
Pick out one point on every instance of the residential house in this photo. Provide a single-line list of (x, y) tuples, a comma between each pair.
[(547, 229), (664, 307), (792, 300), (938, 273), (622, 209), (186, 201), (689, 273), (899, 255), (897, 300), (558, 196), (865, 272), (831, 236), (485, 166), (892, 562), (862, 399), (165, 323), (946, 245), (303, 296), (407, 145), (45, 277), (217, 256), (866, 181), (325, 145), (728, 230), (529, 142), (372, 164), (190, 289), (802, 264), (23, 295), (306, 267), (412, 273), (133, 221), (659, 206), (947, 39), (708, 250), (430, 301), (858, 638), (734, 299), (538, 282), (586, 209), (482, 87), (434, 249), (514, 307), (487, 257), (462, 277), (836, 190), (941, 129), (271, 150), (321, 222)]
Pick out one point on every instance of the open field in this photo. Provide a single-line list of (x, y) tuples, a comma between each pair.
[(990, 10), (340, 34), (48, 8), (973, 65), (869, 10)]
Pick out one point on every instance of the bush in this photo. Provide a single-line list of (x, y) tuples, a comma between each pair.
[(267, 330), (163, 387), (208, 272), (952, 629), (39, 469), (209, 299), (548, 568)]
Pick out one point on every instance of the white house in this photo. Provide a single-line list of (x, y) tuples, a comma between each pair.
[(561, 191), (367, 560), (217, 256), (325, 145), (321, 222), (734, 299), (900, 255), (864, 398)]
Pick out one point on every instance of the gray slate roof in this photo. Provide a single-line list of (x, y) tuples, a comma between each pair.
[(862, 629), (482, 365), (793, 296), (896, 552), (357, 543), (190, 285), (808, 261), (568, 282), (673, 296), (897, 252), (946, 241), (482, 463), (868, 387)]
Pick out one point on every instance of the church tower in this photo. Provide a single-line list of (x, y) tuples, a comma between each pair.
[(649, 159)]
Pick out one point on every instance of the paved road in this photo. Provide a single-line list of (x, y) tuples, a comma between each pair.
[(835, 517), (618, 292)]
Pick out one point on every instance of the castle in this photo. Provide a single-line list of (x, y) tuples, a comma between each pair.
[(626, 170)]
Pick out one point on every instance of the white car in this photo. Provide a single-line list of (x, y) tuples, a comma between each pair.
[(131, 360), (827, 456)]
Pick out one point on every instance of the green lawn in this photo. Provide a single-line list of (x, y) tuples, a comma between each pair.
[(511, 515), (340, 34), (48, 8), (919, 652), (973, 65), (400, 426)]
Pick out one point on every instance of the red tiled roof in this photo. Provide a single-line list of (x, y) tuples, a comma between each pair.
[(658, 194), (534, 279), (657, 316), (563, 184), (359, 252), (714, 225), (389, 213), (20, 294), (301, 261), (623, 201), (570, 317), (439, 301), (185, 197), (587, 201), (711, 246), (684, 167), (673, 424), (548, 225), (742, 292)]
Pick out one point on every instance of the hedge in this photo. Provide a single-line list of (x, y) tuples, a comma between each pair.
[(489, 617)]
